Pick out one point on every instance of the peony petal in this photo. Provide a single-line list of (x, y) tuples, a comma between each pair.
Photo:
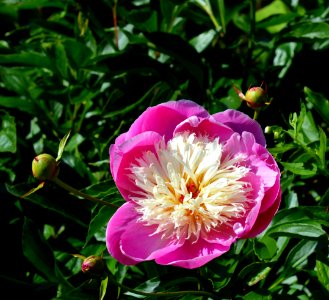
[(123, 155), (205, 127), (164, 118), (140, 243), (240, 122), (125, 215), (264, 218), (245, 223), (191, 255)]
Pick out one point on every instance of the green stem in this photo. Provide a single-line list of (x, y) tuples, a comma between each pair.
[(164, 294), (81, 194), (256, 113)]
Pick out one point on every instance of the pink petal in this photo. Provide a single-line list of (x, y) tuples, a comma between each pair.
[(191, 255), (264, 218), (240, 122), (244, 224), (164, 118), (140, 243), (123, 155), (125, 215), (205, 127)]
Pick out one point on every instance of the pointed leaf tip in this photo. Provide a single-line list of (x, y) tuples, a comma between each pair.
[(62, 145)]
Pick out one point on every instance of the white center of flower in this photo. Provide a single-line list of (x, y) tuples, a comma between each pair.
[(187, 189)]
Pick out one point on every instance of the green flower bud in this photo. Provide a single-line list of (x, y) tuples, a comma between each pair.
[(256, 97), (93, 265), (44, 167)]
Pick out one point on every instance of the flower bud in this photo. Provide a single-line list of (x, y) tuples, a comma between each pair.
[(256, 97), (93, 265), (44, 167)]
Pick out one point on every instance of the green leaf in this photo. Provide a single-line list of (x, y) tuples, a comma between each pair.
[(298, 168), (148, 286), (274, 8), (40, 186), (308, 30), (103, 288), (298, 255), (254, 272), (203, 40), (20, 103), (62, 145), (322, 147), (99, 221), (26, 59), (320, 103), (307, 230), (265, 247), (37, 250), (8, 139), (323, 273)]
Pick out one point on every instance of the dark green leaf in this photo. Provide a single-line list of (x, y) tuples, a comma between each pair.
[(320, 103), (7, 133), (37, 251), (99, 220), (316, 30)]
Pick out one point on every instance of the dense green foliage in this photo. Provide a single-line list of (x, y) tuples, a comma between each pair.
[(91, 67)]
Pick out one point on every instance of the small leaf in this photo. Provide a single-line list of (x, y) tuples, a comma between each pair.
[(79, 256), (40, 186), (322, 147), (298, 168), (103, 287), (62, 145), (323, 273), (265, 247), (8, 134)]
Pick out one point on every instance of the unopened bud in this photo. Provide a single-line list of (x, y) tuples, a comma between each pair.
[(256, 97), (93, 265), (44, 167)]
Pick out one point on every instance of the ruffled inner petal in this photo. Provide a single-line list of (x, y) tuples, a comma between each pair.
[(164, 118), (205, 127), (122, 157), (240, 122)]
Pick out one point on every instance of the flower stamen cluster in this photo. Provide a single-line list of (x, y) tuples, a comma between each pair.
[(187, 188)]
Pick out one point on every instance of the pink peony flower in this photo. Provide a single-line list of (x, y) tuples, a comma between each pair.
[(194, 183)]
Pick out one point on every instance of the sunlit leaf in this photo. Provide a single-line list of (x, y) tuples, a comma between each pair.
[(62, 145), (103, 288), (323, 273)]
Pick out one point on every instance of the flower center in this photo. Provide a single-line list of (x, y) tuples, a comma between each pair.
[(187, 189)]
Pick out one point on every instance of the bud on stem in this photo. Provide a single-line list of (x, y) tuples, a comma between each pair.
[(44, 167), (93, 265)]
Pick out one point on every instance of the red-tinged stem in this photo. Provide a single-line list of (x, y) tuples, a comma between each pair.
[(115, 24)]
